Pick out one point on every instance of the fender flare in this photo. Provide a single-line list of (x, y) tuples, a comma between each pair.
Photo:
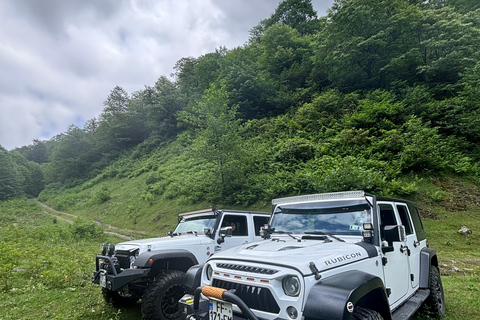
[(178, 259), (328, 299), (193, 277), (428, 258)]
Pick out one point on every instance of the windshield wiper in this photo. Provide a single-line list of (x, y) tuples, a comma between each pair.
[(325, 234), (287, 232), (173, 234), (192, 232)]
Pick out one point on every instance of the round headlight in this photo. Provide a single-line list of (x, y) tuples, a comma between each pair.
[(291, 286), (209, 272)]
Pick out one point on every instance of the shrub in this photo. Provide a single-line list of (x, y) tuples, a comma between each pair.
[(85, 230), (101, 196), (152, 178), (295, 150)]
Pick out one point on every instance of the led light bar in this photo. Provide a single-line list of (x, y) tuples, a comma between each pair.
[(193, 212), (321, 196)]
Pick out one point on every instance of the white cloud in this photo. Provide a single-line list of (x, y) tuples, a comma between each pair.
[(60, 59)]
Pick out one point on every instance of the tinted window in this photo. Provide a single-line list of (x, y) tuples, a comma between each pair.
[(387, 217), (238, 224), (403, 212), (417, 222)]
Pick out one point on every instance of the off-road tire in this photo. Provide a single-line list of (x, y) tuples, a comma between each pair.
[(435, 302), (366, 314), (160, 299), (117, 299)]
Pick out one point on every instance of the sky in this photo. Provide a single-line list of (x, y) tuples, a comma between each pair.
[(59, 59)]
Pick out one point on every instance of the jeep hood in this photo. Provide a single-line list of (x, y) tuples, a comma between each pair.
[(182, 241), (291, 253)]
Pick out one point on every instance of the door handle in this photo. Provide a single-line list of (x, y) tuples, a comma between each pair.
[(405, 249)]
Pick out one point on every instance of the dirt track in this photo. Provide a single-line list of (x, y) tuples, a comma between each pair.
[(70, 218)]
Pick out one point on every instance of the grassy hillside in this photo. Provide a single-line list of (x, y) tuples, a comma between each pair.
[(30, 286), (144, 193), (46, 264)]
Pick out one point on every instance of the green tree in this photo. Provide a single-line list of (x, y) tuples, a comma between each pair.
[(298, 14), (122, 122), (463, 6), (164, 101), (73, 157), (217, 140), (195, 75), (360, 39), (248, 83), (449, 42), (369, 44), (285, 55), (30, 174), (37, 151), (9, 179)]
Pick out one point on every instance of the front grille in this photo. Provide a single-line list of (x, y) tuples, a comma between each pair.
[(255, 297), (238, 267)]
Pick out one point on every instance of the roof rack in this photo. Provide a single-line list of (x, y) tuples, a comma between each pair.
[(321, 196), (197, 211)]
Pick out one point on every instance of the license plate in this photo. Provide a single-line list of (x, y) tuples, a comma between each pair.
[(103, 280), (220, 310)]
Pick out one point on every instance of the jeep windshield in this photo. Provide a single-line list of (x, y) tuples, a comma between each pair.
[(330, 217), (195, 224)]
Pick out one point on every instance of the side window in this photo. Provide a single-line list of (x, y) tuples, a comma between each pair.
[(259, 222), (387, 217), (417, 222), (403, 212), (238, 224)]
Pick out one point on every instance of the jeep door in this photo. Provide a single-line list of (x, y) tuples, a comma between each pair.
[(240, 231), (396, 261), (413, 245)]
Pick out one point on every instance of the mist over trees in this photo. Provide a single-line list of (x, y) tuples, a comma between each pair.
[(372, 91)]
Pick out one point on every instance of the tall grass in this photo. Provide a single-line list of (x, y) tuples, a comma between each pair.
[(46, 266)]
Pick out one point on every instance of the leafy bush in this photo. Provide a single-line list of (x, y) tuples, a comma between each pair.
[(295, 150), (84, 230), (401, 187), (152, 178), (101, 196)]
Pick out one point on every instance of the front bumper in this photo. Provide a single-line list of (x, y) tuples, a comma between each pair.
[(111, 278), (197, 308)]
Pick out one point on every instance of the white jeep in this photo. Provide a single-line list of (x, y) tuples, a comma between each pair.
[(153, 269), (344, 255)]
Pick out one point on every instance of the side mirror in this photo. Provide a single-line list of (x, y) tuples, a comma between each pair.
[(224, 232), (265, 231), (170, 233), (393, 234), (207, 231)]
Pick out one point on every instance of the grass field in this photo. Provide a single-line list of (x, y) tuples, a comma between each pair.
[(46, 264)]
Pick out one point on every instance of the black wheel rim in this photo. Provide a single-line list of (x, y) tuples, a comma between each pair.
[(440, 298), (170, 301)]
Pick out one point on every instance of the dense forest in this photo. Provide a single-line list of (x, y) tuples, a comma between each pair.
[(376, 91)]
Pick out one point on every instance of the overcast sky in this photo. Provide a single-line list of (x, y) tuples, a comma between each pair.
[(59, 59)]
